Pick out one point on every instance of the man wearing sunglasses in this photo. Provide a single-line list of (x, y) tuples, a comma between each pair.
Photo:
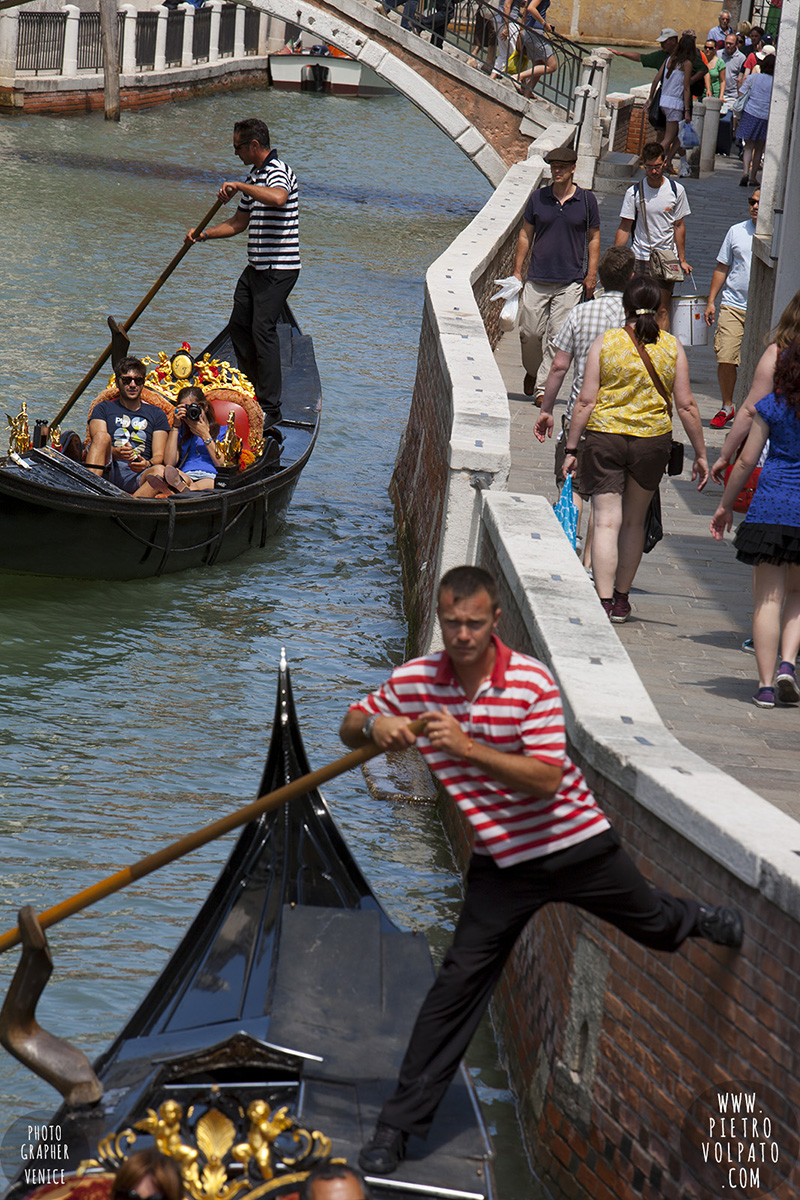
[(128, 436), (732, 275), (268, 210)]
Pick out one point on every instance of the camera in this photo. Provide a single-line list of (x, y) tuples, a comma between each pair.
[(194, 411)]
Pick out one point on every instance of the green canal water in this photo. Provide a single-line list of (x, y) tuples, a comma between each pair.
[(132, 712)]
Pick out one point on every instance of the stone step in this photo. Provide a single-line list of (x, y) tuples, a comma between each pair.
[(617, 164)]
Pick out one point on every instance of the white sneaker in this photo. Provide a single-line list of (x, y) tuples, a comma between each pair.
[(684, 169)]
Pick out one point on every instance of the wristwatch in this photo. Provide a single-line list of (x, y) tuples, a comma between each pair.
[(369, 725)]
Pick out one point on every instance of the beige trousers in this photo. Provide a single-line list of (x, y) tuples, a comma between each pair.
[(545, 307)]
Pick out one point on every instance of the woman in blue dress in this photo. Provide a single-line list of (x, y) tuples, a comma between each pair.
[(769, 537)]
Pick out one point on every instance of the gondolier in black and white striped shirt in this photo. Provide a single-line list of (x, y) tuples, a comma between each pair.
[(268, 209)]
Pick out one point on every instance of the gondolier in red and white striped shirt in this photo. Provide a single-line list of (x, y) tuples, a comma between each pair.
[(495, 739)]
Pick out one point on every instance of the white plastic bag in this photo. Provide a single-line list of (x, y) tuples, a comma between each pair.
[(687, 135), (509, 290)]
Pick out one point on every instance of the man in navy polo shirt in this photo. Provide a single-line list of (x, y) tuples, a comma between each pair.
[(562, 222)]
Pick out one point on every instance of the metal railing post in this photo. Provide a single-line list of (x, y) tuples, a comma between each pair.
[(69, 62)]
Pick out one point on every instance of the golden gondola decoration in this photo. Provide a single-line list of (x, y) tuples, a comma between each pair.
[(19, 441), (274, 1150)]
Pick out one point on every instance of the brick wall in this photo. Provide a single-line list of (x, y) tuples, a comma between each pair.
[(81, 100)]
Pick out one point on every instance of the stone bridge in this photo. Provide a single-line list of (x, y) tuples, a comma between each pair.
[(487, 119)]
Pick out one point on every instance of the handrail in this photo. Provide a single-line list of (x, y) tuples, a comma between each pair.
[(472, 27)]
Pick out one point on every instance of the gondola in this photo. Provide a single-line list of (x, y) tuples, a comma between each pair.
[(286, 1007), (58, 518)]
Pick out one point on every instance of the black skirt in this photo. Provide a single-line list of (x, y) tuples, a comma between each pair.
[(758, 543)]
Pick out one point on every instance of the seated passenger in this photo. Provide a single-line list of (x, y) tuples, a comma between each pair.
[(148, 1173), (128, 437), (192, 456)]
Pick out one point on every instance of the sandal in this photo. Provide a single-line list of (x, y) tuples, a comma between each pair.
[(174, 480)]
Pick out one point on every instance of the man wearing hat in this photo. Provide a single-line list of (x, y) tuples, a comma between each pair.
[(561, 232)]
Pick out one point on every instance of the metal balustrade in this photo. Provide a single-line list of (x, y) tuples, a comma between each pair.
[(173, 52), (252, 22), (90, 41), (40, 43), (146, 29), (473, 26), (201, 35), (227, 30)]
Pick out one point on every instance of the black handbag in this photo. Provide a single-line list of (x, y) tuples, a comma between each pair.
[(653, 529), (654, 114)]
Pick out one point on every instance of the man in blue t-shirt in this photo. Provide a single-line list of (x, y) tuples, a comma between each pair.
[(128, 436), (562, 224), (732, 275)]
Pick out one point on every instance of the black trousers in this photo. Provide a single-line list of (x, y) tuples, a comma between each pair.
[(257, 304), (499, 903)]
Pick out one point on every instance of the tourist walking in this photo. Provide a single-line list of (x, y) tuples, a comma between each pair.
[(769, 537), (787, 329), (268, 210), (752, 128), (653, 211), (732, 275), (536, 48), (675, 77), (632, 377), (561, 231), (495, 739)]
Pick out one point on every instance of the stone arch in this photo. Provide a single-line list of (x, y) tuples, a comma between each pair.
[(353, 36)]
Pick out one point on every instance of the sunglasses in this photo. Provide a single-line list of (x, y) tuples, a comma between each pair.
[(752, 203), (126, 379)]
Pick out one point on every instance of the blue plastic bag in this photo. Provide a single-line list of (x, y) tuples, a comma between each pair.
[(687, 135), (567, 512)]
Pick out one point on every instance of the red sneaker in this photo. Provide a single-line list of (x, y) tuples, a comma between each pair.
[(722, 418)]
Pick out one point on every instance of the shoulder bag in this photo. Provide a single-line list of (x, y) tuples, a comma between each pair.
[(675, 464), (664, 264), (654, 114)]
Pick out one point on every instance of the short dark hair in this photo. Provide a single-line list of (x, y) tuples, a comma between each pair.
[(129, 363), (333, 1170), (651, 151), (768, 64), (464, 582), (615, 268), (252, 130)]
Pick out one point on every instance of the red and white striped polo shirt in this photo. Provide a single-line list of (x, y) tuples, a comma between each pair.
[(517, 711)]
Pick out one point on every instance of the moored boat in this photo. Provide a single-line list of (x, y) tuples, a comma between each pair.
[(319, 71), (275, 1030), (58, 518)]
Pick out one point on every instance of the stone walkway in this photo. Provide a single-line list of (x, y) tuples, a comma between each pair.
[(692, 602)]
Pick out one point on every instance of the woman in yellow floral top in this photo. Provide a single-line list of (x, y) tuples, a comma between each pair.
[(628, 436)]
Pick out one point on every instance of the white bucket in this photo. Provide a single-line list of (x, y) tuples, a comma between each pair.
[(688, 320)]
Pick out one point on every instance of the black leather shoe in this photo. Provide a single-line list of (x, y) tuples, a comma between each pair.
[(721, 925), (384, 1153)]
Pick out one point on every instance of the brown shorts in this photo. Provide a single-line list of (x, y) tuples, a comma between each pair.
[(730, 331), (610, 458)]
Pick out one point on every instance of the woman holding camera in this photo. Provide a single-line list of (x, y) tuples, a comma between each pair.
[(192, 457)]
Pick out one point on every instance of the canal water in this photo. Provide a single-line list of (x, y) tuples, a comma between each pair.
[(132, 712)]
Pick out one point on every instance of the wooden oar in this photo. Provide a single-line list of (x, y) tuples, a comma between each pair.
[(137, 312), (192, 841)]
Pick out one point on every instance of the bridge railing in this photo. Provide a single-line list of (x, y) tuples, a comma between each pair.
[(542, 64)]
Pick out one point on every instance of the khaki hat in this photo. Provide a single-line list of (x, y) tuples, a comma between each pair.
[(666, 34), (764, 52)]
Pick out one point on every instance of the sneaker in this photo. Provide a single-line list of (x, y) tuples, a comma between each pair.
[(684, 169), (722, 418), (764, 698), (748, 646), (385, 1151), (721, 925), (529, 384), (607, 605), (788, 691), (620, 608)]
